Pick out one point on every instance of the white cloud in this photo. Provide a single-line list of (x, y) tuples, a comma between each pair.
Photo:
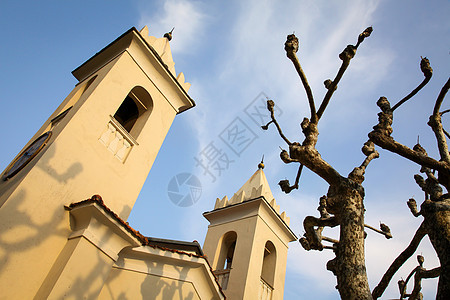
[(186, 16), (252, 60)]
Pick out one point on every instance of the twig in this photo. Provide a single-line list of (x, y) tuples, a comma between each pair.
[(445, 111), (270, 105), (446, 133), (436, 124), (291, 47), (386, 232), (441, 97), (428, 72), (348, 53), (284, 184), (332, 87), (329, 247), (328, 239)]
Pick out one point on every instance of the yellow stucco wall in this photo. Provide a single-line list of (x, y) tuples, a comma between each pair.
[(74, 165), (255, 224), (125, 284)]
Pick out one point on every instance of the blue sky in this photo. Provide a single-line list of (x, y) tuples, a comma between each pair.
[(231, 53)]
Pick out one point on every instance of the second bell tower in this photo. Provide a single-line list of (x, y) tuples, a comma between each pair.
[(247, 242)]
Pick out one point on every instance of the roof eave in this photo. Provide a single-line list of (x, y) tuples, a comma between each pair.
[(77, 72)]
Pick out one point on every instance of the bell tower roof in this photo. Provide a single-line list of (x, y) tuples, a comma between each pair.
[(162, 47), (247, 241), (151, 54), (255, 187)]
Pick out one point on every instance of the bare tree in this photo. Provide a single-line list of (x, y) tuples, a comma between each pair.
[(436, 206), (343, 205)]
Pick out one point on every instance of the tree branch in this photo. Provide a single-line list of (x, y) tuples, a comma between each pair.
[(436, 124), (357, 174), (332, 87), (388, 143), (305, 154), (291, 47), (444, 111), (441, 97), (270, 105), (399, 261), (412, 204), (284, 184), (422, 273), (310, 157), (382, 131), (384, 230), (328, 239), (427, 72), (346, 55), (446, 133), (419, 273), (284, 155), (313, 238), (430, 186)]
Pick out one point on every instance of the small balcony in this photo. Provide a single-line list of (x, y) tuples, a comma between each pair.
[(265, 290), (222, 277), (117, 140)]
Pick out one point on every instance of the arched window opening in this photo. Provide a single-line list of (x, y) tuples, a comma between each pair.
[(269, 263), (227, 251), (134, 111), (127, 114), (224, 263), (230, 254)]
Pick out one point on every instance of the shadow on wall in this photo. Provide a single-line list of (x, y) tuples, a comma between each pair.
[(155, 287), (62, 177), (26, 221), (94, 272), (21, 231), (152, 280), (34, 233)]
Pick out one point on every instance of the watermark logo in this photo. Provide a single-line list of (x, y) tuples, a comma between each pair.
[(213, 161), (184, 189), (237, 136), (218, 155), (257, 110)]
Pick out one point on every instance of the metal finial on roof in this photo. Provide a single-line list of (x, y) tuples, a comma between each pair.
[(168, 35), (261, 164)]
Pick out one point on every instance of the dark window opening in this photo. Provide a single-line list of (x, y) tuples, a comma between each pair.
[(127, 114), (269, 263), (227, 245), (230, 254)]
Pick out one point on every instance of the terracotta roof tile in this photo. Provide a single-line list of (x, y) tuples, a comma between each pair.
[(144, 240), (98, 199)]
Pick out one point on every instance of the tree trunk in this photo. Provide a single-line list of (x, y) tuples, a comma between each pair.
[(349, 264), (437, 221)]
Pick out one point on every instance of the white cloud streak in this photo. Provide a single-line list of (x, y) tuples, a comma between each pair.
[(188, 19), (252, 60)]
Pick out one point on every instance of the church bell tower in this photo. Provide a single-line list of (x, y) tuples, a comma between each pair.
[(102, 139), (247, 242)]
